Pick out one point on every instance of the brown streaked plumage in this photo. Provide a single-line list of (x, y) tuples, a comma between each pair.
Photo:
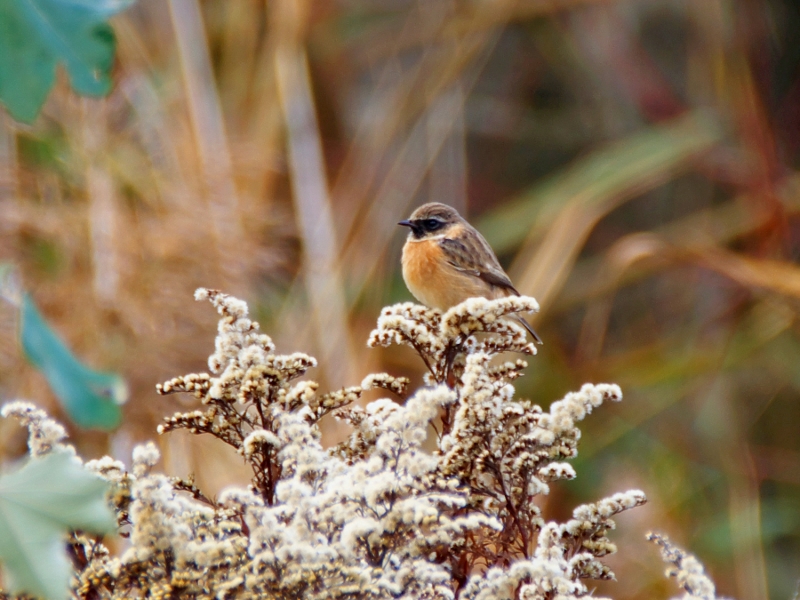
[(446, 260)]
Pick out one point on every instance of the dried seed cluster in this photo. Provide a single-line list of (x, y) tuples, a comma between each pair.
[(377, 516)]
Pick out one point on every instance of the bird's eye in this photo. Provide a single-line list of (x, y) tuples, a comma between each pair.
[(433, 224)]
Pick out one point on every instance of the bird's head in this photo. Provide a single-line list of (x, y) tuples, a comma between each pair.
[(432, 219)]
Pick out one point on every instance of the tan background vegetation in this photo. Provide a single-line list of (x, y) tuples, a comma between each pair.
[(633, 162)]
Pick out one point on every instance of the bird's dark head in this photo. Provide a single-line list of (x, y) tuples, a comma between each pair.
[(432, 219)]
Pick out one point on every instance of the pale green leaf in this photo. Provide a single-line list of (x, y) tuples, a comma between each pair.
[(91, 398), (39, 504), (37, 35)]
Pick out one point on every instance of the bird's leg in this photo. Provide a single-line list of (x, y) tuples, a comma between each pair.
[(449, 374), (453, 348), (447, 424), (449, 377), (447, 415)]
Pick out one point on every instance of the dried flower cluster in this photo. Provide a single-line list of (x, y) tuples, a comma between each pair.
[(377, 516), (686, 569), (44, 433)]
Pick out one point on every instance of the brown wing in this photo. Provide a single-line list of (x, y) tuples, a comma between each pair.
[(472, 254)]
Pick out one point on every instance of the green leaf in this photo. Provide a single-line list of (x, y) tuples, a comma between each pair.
[(91, 398), (39, 504), (37, 35)]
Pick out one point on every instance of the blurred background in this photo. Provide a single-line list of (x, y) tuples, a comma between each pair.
[(632, 162)]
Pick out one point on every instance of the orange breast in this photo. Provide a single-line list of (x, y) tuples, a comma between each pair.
[(433, 281)]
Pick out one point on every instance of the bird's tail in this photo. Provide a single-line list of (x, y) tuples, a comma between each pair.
[(527, 326)]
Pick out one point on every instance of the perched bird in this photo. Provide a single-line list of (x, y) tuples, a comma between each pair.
[(446, 261)]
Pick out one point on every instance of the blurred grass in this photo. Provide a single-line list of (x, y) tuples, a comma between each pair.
[(633, 163), (623, 170)]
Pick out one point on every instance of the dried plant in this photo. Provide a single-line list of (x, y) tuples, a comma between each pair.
[(634, 165), (686, 569), (377, 516)]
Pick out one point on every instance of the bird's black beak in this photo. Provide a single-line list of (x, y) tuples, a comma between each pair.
[(415, 228)]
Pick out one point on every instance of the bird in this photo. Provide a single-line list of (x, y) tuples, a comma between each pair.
[(446, 261)]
